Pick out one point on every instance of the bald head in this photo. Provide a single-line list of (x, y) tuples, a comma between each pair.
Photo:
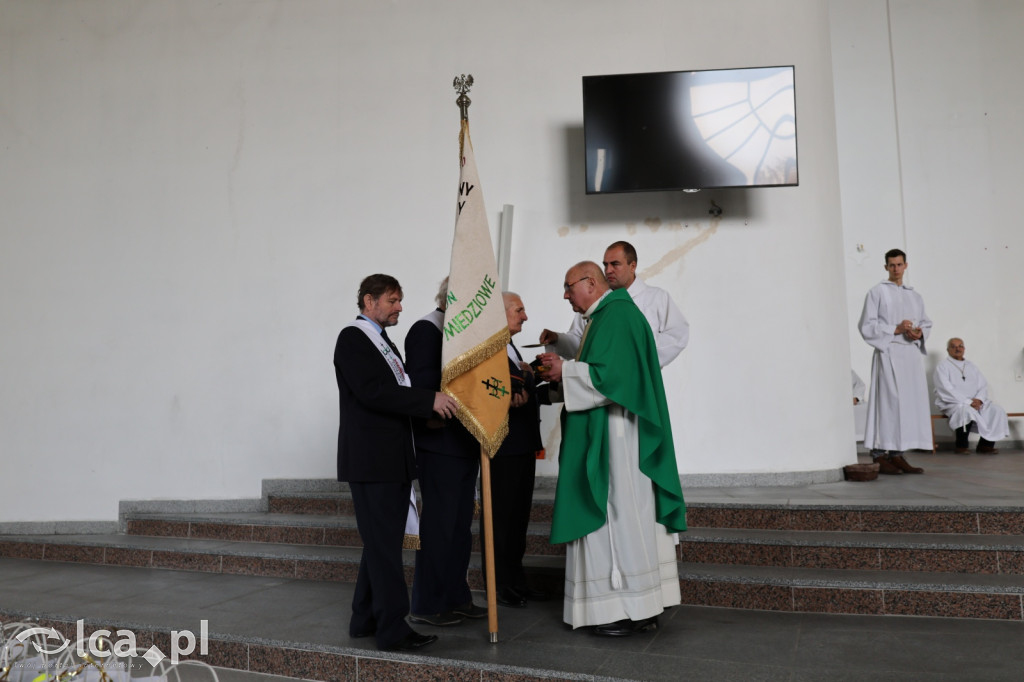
[(584, 284)]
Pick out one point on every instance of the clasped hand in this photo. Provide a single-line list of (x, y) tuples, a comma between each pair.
[(445, 405), (554, 366), (909, 331)]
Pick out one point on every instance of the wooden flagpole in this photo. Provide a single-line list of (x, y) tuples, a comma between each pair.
[(492, 596), (462, 84)]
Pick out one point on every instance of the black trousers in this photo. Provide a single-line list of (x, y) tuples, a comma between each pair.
[(381, 598), (961, 437), (512, 478), (447, 487)]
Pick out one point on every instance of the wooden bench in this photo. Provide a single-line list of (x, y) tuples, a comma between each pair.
[(942, 416)]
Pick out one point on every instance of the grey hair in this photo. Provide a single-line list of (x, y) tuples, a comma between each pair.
[(442, 294)]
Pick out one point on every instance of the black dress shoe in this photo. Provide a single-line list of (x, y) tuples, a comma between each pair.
[(626, 627), (413, 640), (363, 633), (534, 595), (508, 596), (367, 630)]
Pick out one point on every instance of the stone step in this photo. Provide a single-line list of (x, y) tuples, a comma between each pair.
[(234, 557), (340, 503), (930, 552), (774, 588), (809, 590), (865, 518), (982, 520), (291, 529)]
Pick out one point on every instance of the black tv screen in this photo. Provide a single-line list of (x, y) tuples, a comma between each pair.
[(680, 130)]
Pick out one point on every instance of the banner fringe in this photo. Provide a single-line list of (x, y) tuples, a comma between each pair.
[(484, 351)]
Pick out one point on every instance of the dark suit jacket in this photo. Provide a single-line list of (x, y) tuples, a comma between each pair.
[(523, 422), (375, 434), (423, 362)]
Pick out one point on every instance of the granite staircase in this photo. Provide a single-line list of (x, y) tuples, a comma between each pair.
[(916, 561)]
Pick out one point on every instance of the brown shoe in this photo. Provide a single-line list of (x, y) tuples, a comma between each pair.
[(962, 451), (904, 466), (988, 451), (885, 466)]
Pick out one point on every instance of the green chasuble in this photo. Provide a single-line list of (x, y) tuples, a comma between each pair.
[(620, 351)]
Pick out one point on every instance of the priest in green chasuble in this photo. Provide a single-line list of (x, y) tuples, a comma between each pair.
[(618, 499)]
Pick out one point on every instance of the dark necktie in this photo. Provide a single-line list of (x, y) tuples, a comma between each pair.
[(393, 346)]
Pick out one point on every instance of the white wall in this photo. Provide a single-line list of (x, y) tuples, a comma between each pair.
[(928, 101), (193, 191)]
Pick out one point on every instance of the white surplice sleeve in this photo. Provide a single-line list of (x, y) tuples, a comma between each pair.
[(673, 331), (923, 321), (578, 388), (568, 343), (874, 328)]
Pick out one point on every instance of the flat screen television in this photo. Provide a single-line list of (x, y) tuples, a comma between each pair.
[(689, 130)]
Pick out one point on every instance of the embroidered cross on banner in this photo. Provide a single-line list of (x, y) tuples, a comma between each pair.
[(494, 387)]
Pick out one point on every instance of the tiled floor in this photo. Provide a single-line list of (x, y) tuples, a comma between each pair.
[(693, 643)]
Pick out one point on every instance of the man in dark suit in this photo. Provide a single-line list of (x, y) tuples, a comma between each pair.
[(376, 458), (512, 472), (448, 461)]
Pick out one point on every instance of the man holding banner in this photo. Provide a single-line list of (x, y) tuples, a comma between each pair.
[(448, 462), (376, 458), (618, 497)]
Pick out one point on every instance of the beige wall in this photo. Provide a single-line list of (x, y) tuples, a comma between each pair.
[(193, 190), (928, 99)]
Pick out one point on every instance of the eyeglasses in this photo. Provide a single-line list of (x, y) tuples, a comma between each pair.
[(568, 287)]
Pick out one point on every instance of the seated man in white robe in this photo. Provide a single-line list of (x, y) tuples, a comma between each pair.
[(618, 498), (961, 392)]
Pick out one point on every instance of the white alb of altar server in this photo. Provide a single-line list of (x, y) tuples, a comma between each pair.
[(895, 325), (958, 384)]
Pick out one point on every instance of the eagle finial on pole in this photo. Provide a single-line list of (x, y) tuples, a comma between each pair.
[(462, 84)]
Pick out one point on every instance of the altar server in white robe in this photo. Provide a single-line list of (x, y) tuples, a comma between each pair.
[(961, 392), (895, 324), (671, 330), (618, 498)]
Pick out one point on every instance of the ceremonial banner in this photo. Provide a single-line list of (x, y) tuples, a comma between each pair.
[(474, 359)]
